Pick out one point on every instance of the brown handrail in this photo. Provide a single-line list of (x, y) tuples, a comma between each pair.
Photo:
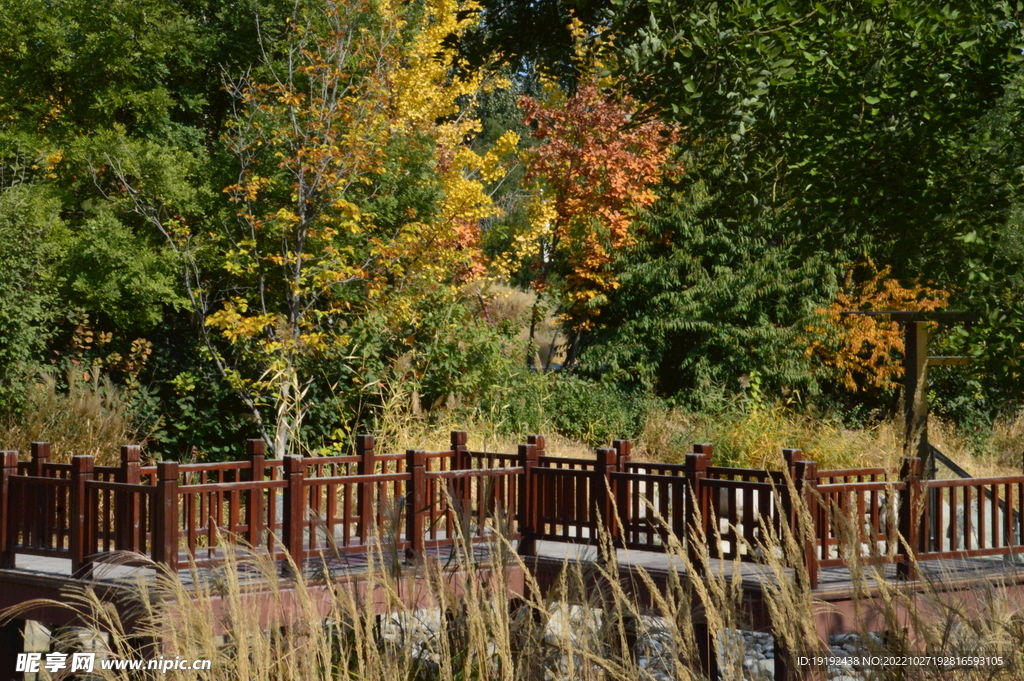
[(309, 505)]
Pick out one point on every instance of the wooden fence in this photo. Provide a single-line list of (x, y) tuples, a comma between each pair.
[(411, 502)]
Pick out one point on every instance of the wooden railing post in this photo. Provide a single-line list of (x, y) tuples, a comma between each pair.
[(367, 465), (705, 450), (460, 452), (527, 501), (40, 457), (131, 457), (256, 452), (415, 502), (601, 491), (127, 517), (82, 537), (165, 515), (8, 512), (791, 457), (910, 514), (623, 494), (294, 510), (539, 442), (698, 511), (807, 493), (623, 453), (462, 489)]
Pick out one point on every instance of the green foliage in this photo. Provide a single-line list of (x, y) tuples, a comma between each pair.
[(594, 412), (577, 408), (109, 270), (28, 290), (704, 305), (817, 134), (151, 66), (852, 116)]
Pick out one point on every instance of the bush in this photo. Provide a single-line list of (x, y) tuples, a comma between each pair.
[(593, 412)]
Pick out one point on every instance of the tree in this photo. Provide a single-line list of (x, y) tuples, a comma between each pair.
[(703, 306), (593, 171), (854, 118), (356, 194)]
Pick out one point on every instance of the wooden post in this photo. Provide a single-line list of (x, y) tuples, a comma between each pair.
[(460, 452), (909, 517), (294, 510), (807, 491), (540, 442), (462, 489), (82, 536), (165, 512), (601, 492), (705, 450), (624, 452), (256, 451), (367, 465), (791, 457), (127, 518), (915, 396), (415, 502), (40, 457), (8, 511), (706, 639), (623, 492), (527, 501), (697, 520)]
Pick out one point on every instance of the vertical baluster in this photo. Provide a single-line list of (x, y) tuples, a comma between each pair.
[(81, 533), (996, 529), (165, 512), (330, 504), (255, 450), (190, 523), (294, 510), (1020, 515), (982, 498), (529, 501), (416, 502), (10, 509), (749, 519), (807, 483), (346, 514), (968, 519), (1008, 539)]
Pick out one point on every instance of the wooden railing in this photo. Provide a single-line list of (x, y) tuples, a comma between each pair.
[(969, 517), (414, 501), (307, 506)]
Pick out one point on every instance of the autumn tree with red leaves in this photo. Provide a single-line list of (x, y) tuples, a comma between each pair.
[(595, 168)]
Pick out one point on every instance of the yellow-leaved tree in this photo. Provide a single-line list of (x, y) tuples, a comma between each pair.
[(356, 190)]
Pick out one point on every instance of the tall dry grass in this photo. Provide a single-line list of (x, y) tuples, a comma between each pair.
[(89, 418), (754, 438)]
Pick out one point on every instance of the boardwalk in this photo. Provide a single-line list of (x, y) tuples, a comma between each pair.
[(65, 524)]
